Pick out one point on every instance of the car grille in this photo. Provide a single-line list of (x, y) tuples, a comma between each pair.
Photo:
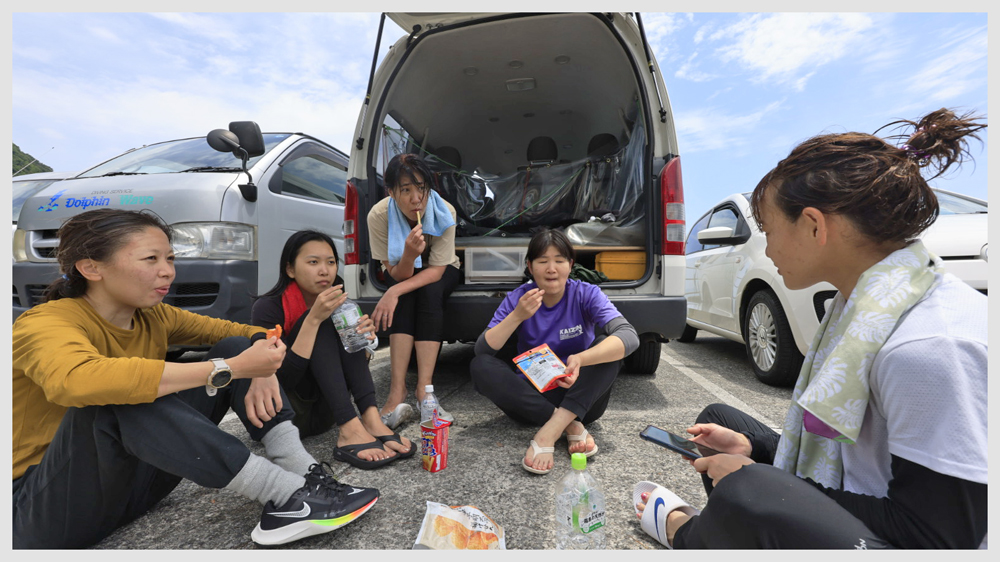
[(819, 299), (43, 244), (181, 295), (34, 295), (187, 295)]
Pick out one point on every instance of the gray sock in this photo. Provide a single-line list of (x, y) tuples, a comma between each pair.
[(262, 480), (284, 448)]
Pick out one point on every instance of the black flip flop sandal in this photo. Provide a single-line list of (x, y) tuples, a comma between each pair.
[(349, 454), (397, 439)]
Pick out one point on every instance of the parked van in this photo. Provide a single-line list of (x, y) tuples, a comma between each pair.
[(225, 219), (530, 121)]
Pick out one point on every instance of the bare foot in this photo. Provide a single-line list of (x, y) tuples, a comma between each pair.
[(576, 428), (374, 426), (396, 396), (543, 461), (675, 518), (354, 433)]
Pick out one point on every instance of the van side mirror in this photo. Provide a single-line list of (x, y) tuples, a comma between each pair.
[(721, 235), (245, 141), (249, 136)]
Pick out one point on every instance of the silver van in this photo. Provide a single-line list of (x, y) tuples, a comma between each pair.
[(531, 120), (229, 224)]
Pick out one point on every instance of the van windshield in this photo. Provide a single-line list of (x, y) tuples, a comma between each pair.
[(178, 156)]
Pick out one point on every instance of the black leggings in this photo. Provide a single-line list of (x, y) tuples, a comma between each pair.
[(425, 303), (107, 465), (760, 506), (495, 377), (333, 373)]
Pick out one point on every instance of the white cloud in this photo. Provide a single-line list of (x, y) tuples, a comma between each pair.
[(787, 47), (659, 26), (689, 71), (959, 69), (105, 34), (35, 54), (714, 128)]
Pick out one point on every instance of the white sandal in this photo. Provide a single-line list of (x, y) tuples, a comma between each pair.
[(582, 437), (659, 504), (536, 450)]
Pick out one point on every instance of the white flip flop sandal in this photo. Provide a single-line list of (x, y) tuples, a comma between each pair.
[(661, 501), (536, 450), (582, 437)]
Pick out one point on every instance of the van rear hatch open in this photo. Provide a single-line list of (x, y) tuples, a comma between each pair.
[(539, 124), (531, 121)]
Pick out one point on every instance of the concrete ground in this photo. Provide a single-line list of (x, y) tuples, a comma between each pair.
[(484, 469)]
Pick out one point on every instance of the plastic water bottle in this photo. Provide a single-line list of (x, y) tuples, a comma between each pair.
[(579, 509), (346, 319), (429, 406)]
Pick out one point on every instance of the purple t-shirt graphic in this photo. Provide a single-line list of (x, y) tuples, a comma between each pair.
[(568, 327)]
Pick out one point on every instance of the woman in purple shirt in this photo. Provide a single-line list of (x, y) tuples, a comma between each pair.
[(580, 325)]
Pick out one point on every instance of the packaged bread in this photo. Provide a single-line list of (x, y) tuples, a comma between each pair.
[(460, 527)]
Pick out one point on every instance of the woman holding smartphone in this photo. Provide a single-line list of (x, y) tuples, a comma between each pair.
[(582, 328), (885, 442)]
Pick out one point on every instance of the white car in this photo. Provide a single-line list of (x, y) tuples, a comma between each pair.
[(734, 290)]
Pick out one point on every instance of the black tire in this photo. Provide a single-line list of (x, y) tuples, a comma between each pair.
[(769, 343), (688, 335), (646, 358)]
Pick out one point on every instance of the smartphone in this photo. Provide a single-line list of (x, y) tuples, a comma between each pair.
[(676, 443)]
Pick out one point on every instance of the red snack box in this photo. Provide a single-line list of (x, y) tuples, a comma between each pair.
[(434, 445)]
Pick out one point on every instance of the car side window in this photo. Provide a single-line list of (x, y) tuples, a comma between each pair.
[(724, 217), (693, 245), (316, 177)]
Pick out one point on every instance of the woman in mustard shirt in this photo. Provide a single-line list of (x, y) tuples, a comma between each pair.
[(104, 428)]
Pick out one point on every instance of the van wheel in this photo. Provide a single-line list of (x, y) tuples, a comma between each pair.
[(770, 346), (646, 358), (688, 335)]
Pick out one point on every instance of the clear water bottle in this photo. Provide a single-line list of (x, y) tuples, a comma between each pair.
[(579, 509), (346, 319), (429, 406)]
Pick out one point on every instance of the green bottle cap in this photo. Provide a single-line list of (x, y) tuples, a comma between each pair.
[(579, 461)]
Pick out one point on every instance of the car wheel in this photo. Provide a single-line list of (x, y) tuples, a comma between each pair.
[(646, 358), (688, 335), (770, 346)]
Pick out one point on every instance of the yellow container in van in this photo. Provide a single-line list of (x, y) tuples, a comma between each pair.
[(622, 266)]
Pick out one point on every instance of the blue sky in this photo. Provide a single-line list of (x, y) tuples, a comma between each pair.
[(744, 87)]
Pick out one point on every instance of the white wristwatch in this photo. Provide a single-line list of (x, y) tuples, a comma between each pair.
[(220, 376)]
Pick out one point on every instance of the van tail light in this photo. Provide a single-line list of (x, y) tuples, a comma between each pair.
[(350, 229), (672, 195)]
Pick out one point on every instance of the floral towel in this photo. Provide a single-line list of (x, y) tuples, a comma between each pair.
[(831, 393)]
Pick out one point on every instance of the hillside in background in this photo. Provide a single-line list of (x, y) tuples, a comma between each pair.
[(20, 159)]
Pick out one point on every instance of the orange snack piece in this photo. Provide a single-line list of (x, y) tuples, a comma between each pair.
[(460, 537), (274, 332), (442, 526)]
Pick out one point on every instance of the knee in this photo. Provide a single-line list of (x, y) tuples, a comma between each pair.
[(748, 494), (713, 413), (483, 371)]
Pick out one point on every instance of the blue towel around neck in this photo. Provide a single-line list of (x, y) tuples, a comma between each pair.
[(435, 219)]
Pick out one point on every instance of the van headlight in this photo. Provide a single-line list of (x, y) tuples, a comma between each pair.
[(215, 241), (20, 245), (985, 253)]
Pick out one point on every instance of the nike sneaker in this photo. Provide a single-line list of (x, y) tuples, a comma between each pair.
[(321, 506)]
